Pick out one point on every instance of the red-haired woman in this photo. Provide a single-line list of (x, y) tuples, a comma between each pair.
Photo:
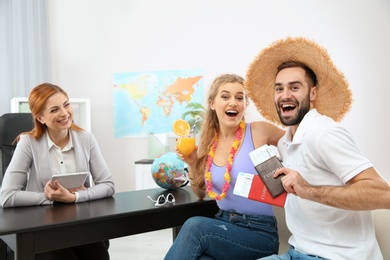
[(56, 146)]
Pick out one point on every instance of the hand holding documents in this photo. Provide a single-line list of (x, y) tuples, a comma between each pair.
[(266, 163), (255, 188), (266, 171)]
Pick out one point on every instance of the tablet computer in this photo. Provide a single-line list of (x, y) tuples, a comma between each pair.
[(70, 180)]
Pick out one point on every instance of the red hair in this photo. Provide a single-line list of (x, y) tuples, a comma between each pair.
[(37, 102)]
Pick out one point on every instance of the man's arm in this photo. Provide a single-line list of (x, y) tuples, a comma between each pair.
[(366, 191)]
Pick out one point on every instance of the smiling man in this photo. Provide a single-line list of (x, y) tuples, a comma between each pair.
[(331, 185), (291, 100)]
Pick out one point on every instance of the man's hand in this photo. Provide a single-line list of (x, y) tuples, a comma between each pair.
[(366, 191), (293, 182)]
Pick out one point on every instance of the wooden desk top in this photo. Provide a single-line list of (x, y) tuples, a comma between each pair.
[(123, 204)]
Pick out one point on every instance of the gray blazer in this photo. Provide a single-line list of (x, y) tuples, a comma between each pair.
[(30, 168)]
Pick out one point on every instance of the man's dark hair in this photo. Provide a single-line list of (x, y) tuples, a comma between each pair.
[(310, 75)]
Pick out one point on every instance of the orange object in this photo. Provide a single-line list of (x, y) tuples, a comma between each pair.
[(185, 145), (181, 127)]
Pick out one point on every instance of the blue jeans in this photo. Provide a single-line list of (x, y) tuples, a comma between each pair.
[(229, 236), (292, 254)]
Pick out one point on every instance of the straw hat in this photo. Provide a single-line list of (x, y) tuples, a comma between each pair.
[(334, 98)]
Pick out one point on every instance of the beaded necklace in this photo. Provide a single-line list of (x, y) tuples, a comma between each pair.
[(233, 151)]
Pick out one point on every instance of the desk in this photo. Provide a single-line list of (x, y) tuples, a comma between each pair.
[(36, 229)]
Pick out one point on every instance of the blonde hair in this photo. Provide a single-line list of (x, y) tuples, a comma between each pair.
[(210, 125)]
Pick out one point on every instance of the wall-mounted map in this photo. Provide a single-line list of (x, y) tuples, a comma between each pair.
[(149, 102)]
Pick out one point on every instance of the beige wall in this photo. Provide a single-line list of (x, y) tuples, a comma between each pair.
[(93, 39)]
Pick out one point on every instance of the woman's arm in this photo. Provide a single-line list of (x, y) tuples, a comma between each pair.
[(265, 133), (15, 178), (197, 184), (196, 178), (104, 185)]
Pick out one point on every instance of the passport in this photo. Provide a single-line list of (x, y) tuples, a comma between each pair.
[(260, 193), (266, 171), (250, 186)]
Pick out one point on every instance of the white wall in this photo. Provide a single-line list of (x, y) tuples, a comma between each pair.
[(93, 39)]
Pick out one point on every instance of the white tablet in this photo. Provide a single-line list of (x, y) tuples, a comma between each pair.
[(70, 180)]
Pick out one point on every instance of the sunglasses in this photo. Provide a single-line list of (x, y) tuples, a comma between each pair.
[(162, 200)]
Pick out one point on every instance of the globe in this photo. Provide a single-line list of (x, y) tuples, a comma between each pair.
[(168, 171)]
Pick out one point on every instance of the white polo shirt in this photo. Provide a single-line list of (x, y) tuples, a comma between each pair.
[(324, 153)]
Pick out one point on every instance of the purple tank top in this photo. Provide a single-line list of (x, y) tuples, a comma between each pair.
[(242, 163)]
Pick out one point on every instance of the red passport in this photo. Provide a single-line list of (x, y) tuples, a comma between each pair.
[(259, 192)]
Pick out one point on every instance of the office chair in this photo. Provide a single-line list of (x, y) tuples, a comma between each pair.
[(11, 125)]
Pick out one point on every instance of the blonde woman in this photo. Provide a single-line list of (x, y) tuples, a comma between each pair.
[(243, 228)]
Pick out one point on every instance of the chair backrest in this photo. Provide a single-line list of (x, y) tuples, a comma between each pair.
[(11, 125)]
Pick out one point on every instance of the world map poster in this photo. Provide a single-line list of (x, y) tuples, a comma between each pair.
[(149, 102)]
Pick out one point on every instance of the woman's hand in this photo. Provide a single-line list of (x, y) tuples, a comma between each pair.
[(59, 193), (77, 189), (190, 159)]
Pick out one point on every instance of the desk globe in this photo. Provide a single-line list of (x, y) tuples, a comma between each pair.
[(168, 171)]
